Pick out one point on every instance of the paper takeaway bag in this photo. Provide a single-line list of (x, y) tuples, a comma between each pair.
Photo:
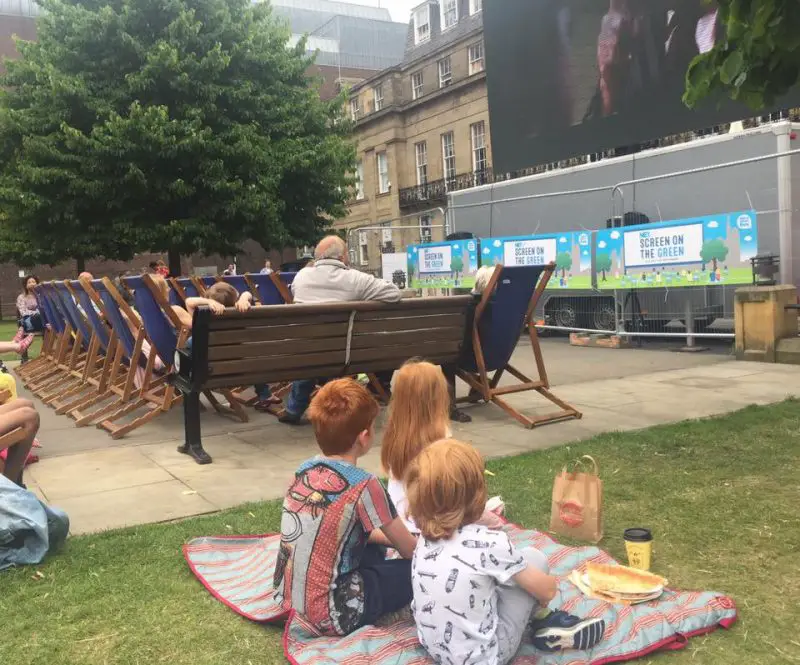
[(577, 510)]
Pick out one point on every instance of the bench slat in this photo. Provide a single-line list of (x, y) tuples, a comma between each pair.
[(277, 333), (287, 347), (323, 371), (301, 361), (281, 315), (419, 323)]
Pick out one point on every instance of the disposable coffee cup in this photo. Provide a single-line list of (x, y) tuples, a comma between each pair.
[(639, 546)]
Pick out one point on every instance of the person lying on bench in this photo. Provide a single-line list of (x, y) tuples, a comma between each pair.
[(218, 297), (331, 567), (18, 414)]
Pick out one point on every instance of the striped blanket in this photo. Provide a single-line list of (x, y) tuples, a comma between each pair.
[(238, 572)]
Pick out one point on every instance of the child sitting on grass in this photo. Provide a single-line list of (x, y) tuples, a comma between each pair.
[(419, 414), (331, 569), (475, 594)]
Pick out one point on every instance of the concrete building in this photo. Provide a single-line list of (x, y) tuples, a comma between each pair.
[(352, 42), (422, 128)]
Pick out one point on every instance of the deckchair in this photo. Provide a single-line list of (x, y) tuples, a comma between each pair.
[(201, 284), (98, 385), (69, 351), (165, 332), (506, 306), (272, 289), (96, 371), (184, 287), (175, 297), (49, 341), (154, 396), (238, 282), (47, 358), (84, 357)]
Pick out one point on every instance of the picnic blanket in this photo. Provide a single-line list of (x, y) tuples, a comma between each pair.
[(237, 570)]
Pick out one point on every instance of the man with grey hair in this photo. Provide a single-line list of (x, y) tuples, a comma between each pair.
[(330, 279)]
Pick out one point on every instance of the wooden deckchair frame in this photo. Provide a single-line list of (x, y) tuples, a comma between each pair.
[(109, 372), (488, 387), (46, 363), (235, 409), (71, 357), (49, 339), (155, 394), (95, 373), (280, 285)]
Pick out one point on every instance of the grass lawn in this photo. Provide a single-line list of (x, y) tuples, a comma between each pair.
[(720, 495), (7, 331)]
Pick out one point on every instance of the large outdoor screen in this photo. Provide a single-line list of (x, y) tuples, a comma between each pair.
[(573, 77)]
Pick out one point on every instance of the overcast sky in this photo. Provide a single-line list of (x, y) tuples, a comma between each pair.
[(400, 9)]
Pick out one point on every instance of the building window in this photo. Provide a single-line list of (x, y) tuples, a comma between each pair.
[(383, 173), (355, 108), (377, 96), (363, 248), (422, 24), (480, 160), (448, 157), (421, 152), (475, 6), (386, 236), (416, 85), (476, 58), (360, 180), (425, 235), (449, 13), (445, 72)]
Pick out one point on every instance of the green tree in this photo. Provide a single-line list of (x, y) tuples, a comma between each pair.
[(602, 264), (456, 265), (564, 263), (712, 252), (165, 125), (758, 61)]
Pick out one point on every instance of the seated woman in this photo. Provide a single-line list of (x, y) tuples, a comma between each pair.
[(30, 320), (18, 414)]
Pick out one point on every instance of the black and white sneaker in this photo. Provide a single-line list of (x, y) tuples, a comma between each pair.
[(559, 630)]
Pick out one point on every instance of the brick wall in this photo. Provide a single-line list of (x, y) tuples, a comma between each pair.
[(250, 259)]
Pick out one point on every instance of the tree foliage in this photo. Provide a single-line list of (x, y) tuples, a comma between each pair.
[(152, 125), (564, 262), (603, 263), (713, 252), (758, 62)]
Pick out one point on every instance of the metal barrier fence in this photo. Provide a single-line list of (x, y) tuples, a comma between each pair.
[(714, 176)]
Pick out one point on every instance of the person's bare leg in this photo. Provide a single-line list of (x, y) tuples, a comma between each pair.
[(9, 347), (21, 415)]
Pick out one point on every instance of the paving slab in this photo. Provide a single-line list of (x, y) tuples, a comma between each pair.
[(142, 478)]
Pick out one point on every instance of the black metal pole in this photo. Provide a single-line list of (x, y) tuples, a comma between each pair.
[(193, 445)]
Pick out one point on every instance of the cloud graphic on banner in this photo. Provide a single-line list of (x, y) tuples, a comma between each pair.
[(497, 243), (415, 250), (562, 239), (748, 238), (485, 250), (713, 225), (602, 244), (614, 235)]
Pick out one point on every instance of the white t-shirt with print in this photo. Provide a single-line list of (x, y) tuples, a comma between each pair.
[(455, 593), (397, 493)]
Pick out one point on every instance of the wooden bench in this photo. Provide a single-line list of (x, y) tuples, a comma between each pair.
[(314, 341)]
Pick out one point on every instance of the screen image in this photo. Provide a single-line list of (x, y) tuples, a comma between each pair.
[(572, 77)]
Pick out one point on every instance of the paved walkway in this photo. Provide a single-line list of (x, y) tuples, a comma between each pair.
[(105, 484)]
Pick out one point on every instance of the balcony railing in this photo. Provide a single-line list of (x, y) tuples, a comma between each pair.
[(437, 190)]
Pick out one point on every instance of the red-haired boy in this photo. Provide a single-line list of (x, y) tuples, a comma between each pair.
[(330, 568)]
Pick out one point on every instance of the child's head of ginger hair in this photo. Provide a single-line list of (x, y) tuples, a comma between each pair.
[(223, 293), (419, 414), (446, 488), (343, 414)]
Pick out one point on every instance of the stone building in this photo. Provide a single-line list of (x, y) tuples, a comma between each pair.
[(422, 128)]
